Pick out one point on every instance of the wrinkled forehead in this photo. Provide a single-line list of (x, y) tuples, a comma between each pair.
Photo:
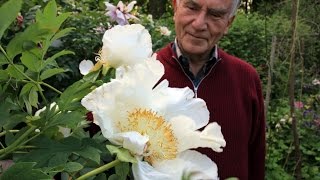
[(226, 4)]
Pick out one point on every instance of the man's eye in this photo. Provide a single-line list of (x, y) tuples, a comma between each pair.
[(191, 7), (215, 15)]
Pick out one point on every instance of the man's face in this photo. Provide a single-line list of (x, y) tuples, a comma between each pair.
[(200, 24)]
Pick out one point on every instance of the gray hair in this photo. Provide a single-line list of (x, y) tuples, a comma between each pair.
[(235, 6)]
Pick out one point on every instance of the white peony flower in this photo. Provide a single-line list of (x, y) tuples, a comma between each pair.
[(157, 124), (85, 66), (164, 31), (125, 45)]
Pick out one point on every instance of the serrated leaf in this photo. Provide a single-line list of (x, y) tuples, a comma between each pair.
[(122, 154), (51, 72), (73, 167), (8, 13), (25, 171), (31, 61), (13, 72)]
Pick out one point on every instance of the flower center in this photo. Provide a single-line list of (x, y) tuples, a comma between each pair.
[(162, 143)]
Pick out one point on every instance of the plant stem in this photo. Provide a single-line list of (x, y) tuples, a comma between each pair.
[(5, 132), (11, 63), (27, 77), (100, 169), (16, 144), (52, 88)]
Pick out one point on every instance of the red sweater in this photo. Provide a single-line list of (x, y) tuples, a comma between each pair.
[(233, 94)]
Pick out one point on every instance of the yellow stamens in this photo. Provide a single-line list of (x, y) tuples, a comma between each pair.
[(162, 142)]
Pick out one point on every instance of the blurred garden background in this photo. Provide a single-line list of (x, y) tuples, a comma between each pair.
[(280, 38)]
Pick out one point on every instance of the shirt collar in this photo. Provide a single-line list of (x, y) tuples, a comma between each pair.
[(213, 53)]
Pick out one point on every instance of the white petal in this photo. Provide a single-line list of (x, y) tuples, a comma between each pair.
[(188, 138), (133, 141), (183, 103), (189, 162), (101, 102), (126, 45), (85, 66), (144, 171)]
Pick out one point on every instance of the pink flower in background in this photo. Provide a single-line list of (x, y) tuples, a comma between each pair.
[(298, 104), (121, 12), (19, 20)]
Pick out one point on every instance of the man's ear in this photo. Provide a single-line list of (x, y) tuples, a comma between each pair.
[(174, 3)]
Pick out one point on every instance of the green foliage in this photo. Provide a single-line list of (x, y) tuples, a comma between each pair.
[(122, 154), (10, 10), (24, 170), (56, 132)]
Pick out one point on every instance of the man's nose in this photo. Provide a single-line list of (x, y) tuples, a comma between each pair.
[(200, 21)]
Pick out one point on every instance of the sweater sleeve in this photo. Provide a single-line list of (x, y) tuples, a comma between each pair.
[(257, 144)]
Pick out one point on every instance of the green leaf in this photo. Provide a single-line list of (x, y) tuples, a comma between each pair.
[(122, 154), (101, 176), (13, 72), (8, 13), (50, 10), (26, 88), (115, 177), (58, 159), (73, 167), (66, 119), (25, 171), (55, 56), (31, 61), (71, 97), (62, 33), (3, 59), (65, 147), (33, 97), (90, 153), (33, 33), (51, 72), (4, 75), (122, 170)]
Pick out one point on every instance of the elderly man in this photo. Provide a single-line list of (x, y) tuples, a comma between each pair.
[(230, 86)]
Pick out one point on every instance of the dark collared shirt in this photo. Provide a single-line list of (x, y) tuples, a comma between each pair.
[(184, 62)]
